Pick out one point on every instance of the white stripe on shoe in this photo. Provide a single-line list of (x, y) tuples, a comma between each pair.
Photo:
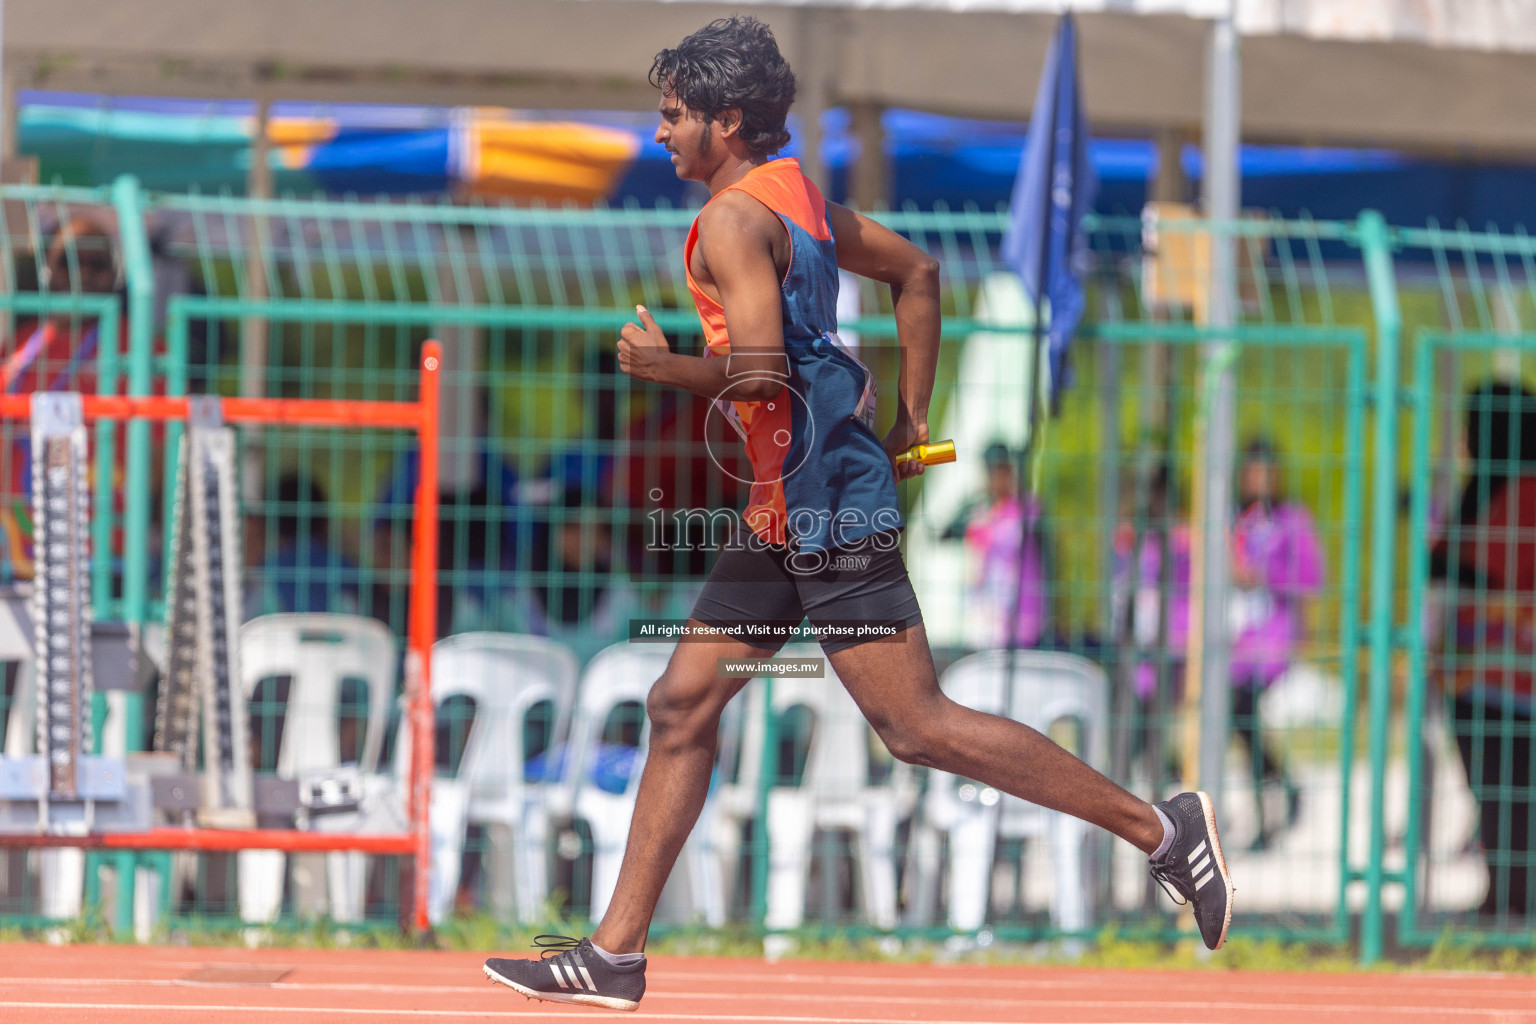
[(1206, 877), (583, 969), (555, 970)]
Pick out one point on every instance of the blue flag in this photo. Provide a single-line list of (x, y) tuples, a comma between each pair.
[(1045, 242)]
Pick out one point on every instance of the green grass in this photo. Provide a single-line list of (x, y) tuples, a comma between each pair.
[(1112, 949)]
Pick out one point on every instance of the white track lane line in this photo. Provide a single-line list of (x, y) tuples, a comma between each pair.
[(1439, 1013), (970, 977), (983, 1002), (562, 1014), (970, 984)]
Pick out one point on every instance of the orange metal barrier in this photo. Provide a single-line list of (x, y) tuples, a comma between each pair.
[(420, 416)]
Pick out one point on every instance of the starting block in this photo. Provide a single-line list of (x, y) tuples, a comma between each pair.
[(197, 698), (64, 789)]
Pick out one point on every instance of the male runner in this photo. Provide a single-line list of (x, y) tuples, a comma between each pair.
[(762, 265)]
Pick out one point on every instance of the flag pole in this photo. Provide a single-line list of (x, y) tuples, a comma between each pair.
[(1208, 695), (1027, 451)]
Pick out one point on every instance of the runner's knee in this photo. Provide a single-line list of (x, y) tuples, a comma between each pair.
[(918, 737), (679, 710)]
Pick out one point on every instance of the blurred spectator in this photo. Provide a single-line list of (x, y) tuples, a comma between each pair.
[(55, 354), (59, 354), (476, 548), (1277, 562), (1486, 640), (678, 456), (477, 538), (586, 459), (303, 573), (577, 594), (1151, 602), (1005, 582)]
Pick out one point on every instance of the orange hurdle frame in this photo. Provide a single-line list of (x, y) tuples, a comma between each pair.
[(420, 416)]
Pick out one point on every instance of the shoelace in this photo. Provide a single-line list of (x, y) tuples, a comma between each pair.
[(554, 945), (1163, 876)]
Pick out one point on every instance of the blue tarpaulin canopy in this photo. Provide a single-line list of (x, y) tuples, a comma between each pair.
[(365, 149)]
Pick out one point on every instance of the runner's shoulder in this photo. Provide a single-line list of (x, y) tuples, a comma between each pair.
[(734, 212)]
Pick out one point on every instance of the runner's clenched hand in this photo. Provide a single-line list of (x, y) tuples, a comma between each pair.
[(905, 433), (643, 347)]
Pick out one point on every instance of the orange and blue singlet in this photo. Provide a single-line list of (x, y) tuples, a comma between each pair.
[(821, 478)]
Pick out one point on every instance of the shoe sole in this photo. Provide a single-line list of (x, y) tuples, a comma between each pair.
[(607, 1002), (1221, 864)]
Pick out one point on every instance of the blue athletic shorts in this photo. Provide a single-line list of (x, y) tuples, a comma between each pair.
[(851, 595)]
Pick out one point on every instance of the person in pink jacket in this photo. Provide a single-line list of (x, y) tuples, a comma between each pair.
[(1006, 582), (1151, 616), (1277, 563)]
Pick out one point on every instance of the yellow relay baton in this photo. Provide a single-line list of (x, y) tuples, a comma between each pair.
[(934, 453)]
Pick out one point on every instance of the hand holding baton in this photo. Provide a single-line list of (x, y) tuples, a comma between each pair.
[(934, 453)]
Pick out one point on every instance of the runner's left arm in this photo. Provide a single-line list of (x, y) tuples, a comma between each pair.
[(872, 250)]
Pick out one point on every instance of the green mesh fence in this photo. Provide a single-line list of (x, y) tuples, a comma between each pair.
[(1114, 479), (575, 501), (567, 470), (1470, 301), (64, 328)]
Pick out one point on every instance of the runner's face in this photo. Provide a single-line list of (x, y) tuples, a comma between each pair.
[(688, 137)]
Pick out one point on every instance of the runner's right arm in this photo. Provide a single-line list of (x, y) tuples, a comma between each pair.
[(736, 238)]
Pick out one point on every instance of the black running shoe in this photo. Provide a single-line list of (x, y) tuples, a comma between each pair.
[(1194, 866), (571, 971)]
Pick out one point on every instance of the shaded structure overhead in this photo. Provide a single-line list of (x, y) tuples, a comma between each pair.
[(1143, 59)]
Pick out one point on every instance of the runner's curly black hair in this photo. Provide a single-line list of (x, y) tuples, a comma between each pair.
[(732, 62)]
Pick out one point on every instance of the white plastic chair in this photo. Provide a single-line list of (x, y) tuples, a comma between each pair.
[(317, 652), (1047, 687), (506, 675), (619, 674), (835, 792)]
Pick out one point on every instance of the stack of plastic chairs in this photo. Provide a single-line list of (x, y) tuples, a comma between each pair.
[(318, 652), (1046, 688), (836, 791), (619, 675), (500, 680)]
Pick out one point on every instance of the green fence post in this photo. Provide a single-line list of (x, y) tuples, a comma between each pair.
[(1418, 576), (108, 342), (108, 374), (1349, 667), (139, 275), (1376, 248), (767, 777)]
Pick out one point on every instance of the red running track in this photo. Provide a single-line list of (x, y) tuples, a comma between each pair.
[(42, 984)]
